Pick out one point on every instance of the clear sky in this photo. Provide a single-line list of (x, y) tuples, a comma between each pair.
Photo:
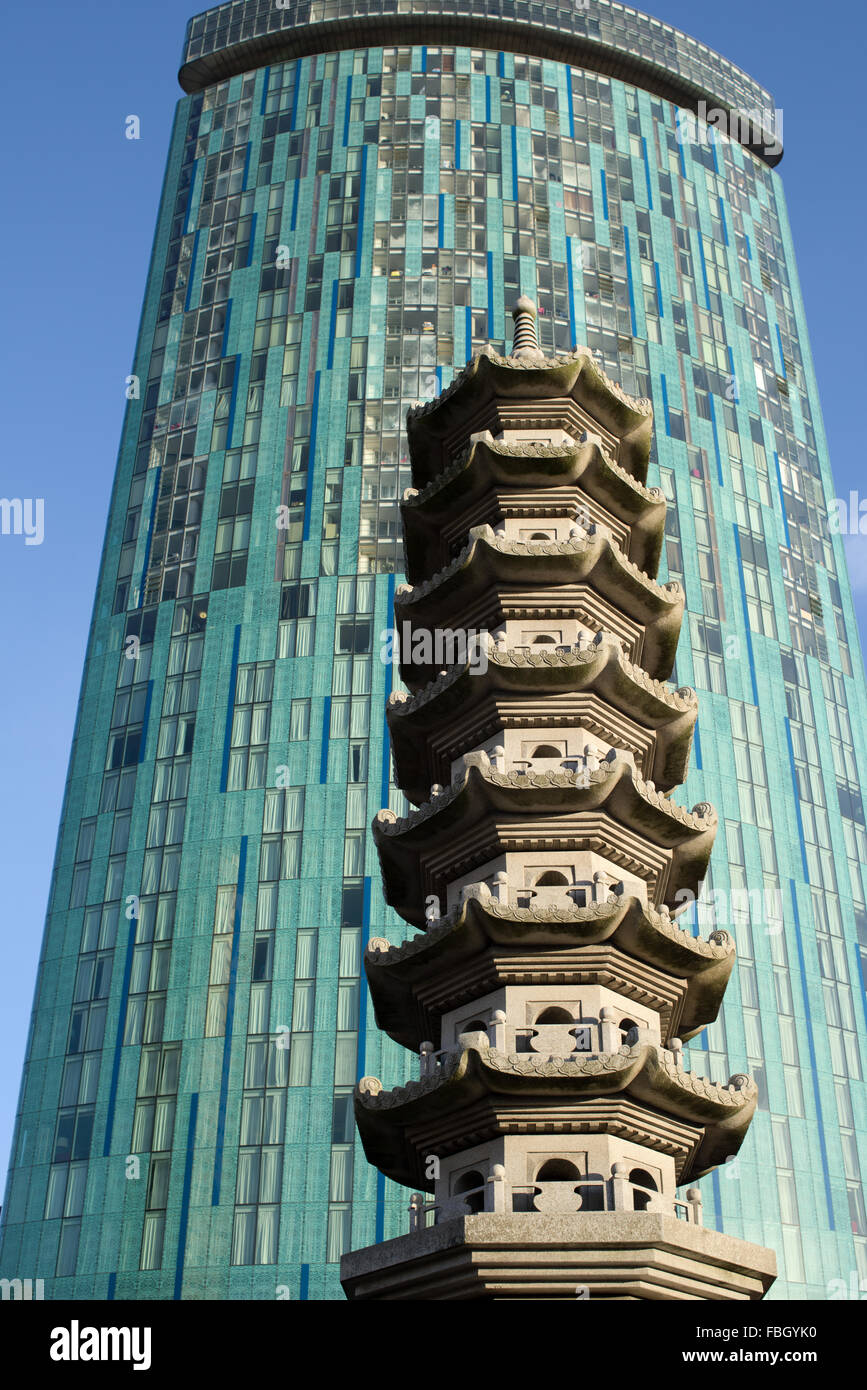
[(80, 209)]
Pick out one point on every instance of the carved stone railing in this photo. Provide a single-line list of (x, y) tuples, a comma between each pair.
[(496, 1194)]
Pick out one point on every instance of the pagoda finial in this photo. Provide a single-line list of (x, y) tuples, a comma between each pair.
[(526, 343)]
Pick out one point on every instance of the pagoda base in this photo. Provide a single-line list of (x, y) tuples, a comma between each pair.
[(614, 1255)]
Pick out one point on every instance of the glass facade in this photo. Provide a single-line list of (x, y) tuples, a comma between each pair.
[(339, 232)]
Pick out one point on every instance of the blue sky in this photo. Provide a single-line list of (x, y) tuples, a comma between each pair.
[(80, 211)]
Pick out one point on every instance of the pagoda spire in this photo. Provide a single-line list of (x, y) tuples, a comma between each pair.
[(526, 342)]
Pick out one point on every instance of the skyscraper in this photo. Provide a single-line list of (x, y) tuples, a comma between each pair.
[(343, 224)]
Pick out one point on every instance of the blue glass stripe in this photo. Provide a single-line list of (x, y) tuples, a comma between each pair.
[(192, 269), (311, 462), (515, 163), (295, 204), (780, 346), (629, 283), (333, 328), (715, 432), (749, 247), (490, 294), (487, 101), (703, 270), (717, 1200), (696, 743), (457, 144), (861, 974), (570, 282), (145, 721), (295, 96), (233, 398), (362, 197), (150, 536), (722, 215), (796, 785), (118, 1040), (747, 631), (424, 57), (246, 166), (185, 1196), (225, 343), (658, 290), (604, 194), (386, 743), (571, 104), (439, 376), (379, 1234), (252, 243), (190, 196), (365, 1003), (230, 707), (326, 735), (647, 173), (733, 373), (681, 158), (112, 1285), (441, 227), (265, 91), (230, 1018), (501, 64), (665, 402), (346, 112), (814, 1073), (304, 1287), (782, 498)]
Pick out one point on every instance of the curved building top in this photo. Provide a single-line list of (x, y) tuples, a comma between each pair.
[(605, 37)]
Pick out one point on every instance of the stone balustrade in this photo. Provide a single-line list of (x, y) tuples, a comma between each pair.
[(498, 1195)]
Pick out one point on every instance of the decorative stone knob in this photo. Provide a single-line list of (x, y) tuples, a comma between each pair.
[(369, 1086), (377, 945), (525, 343)]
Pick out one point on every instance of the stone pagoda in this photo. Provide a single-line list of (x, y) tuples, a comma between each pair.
[(551, 989)]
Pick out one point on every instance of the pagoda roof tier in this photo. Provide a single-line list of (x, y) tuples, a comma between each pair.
[(481, 1092), (492, 472), (523, 688), (484, 813), (568, 392), (492, 576), (483, 944)]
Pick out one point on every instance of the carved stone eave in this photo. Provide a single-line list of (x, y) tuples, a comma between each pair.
[(489, 464), (443, 825), (599, 667), (435, 429), (397, 1126), (477, 944), (490, 566)]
